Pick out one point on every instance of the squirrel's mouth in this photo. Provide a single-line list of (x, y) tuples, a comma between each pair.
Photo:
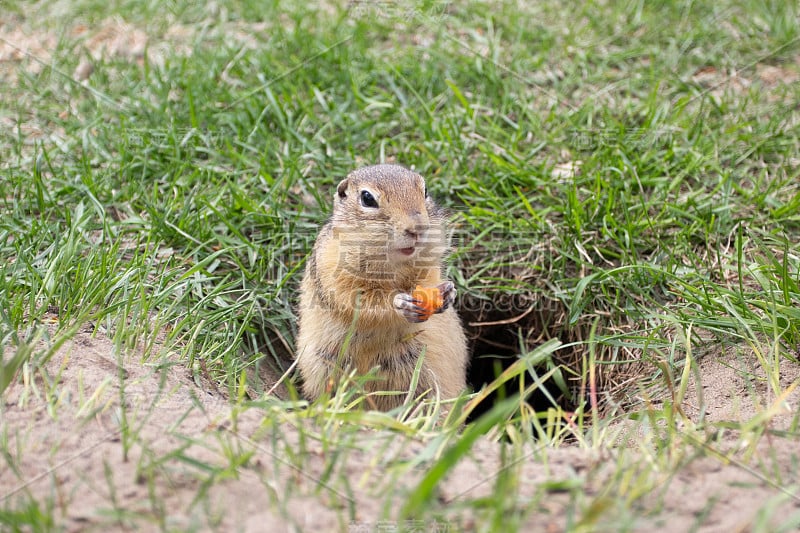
[(407, 251)]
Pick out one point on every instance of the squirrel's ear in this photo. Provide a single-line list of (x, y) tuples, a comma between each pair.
[(341, 189)]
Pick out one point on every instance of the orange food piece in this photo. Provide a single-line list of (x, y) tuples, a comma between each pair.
[(430, 299)]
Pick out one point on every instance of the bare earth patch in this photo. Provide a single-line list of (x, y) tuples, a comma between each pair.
[(185, 458)]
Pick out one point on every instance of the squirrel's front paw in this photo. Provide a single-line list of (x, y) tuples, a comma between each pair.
[(422, 303), (448, 291), (409, 308)]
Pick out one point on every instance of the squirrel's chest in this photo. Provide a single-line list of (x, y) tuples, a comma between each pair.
[(370, 348), (387, 339)]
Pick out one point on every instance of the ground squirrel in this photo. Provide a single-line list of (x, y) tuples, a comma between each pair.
[(385, 237)]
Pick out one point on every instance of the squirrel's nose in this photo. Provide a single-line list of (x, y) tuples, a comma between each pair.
[(416, 225)]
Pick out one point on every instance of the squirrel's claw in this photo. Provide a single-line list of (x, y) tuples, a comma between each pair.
[(406, 305), (448, 291)]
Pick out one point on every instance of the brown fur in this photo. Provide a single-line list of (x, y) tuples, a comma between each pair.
[(347, 317)]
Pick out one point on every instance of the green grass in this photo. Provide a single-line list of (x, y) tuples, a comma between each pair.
[(169, 203)]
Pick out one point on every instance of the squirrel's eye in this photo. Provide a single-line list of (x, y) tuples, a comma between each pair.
[(367, 200)]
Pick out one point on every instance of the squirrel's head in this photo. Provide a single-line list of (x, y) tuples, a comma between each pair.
[(385, 212)]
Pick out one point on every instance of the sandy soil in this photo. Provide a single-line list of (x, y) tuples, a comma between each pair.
[(68, 449)]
